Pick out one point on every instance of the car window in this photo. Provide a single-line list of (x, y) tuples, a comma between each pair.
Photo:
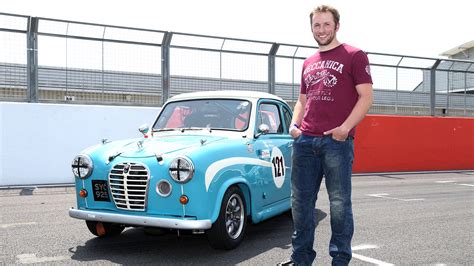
[(287, 117), (269, 114), (209, 113)]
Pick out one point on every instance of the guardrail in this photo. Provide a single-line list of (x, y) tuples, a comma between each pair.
[(61, 61)]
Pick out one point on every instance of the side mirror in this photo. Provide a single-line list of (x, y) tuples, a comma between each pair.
[(144, 129), (263, 129)]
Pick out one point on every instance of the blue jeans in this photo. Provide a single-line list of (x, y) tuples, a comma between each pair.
[(313, 158)]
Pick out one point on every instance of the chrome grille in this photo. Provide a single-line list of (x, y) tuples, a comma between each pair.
[(128, 185)]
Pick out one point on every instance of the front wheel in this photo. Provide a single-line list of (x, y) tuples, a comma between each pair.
[(101, 229), (229, 229)]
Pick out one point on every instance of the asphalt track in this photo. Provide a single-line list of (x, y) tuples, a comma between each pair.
[(401, 219)]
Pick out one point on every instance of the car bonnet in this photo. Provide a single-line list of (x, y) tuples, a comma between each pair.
[(165, 145)]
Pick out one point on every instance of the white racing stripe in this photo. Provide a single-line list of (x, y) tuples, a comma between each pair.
[(219, 165)]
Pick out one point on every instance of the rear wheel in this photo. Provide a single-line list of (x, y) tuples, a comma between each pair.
[(229, 229), (102, 229)]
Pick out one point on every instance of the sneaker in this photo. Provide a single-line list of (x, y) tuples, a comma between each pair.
[(287, 262)]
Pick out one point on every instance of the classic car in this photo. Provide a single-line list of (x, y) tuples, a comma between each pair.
[(211, 163)]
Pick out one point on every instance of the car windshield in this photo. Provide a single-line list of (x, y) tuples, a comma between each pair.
[(222, 114)]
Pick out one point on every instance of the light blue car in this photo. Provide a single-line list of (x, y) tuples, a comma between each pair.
[(211, 163)]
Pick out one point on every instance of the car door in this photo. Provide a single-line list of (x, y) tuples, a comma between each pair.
[(274, 147)]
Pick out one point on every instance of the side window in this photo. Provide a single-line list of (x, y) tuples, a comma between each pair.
[(269, 114), (287, 117)]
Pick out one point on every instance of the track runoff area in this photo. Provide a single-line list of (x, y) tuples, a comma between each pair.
[(401, 219)]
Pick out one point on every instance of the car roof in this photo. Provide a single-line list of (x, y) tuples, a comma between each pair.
[(230, 94)]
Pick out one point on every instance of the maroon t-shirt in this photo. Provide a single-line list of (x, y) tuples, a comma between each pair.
[(328, 80)]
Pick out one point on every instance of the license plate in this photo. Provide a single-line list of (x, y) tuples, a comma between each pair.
[(101, 191)]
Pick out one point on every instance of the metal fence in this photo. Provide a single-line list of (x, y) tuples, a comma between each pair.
[(49, 60)]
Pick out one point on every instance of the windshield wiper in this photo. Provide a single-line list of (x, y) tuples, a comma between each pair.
[(195, 128), (164, 129), (181, 129)]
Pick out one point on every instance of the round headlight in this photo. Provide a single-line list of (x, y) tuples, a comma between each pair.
[(181, 169), (82, 166)]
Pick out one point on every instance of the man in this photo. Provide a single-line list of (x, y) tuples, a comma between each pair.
[(335, 95)]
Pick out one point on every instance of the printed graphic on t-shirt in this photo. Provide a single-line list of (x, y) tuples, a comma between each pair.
[(318, 72), (327, 78), (321, 95)]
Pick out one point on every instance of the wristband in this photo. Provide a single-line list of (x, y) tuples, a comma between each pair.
[(294, 126)]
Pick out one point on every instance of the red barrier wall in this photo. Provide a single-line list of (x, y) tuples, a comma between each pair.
[(406, 143)]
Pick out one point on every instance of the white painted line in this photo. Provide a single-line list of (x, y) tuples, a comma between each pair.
[(367, 259), (3, 226), (379, 195), (454, 183), (371, 260), (366, 246), (385, 196), (31, 258)]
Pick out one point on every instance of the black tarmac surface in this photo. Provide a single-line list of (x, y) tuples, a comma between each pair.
[(401, 219)]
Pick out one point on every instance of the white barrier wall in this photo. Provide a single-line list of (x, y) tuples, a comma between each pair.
[(39, 141)]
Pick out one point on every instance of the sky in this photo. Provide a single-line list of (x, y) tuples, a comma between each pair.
[(405, 27)]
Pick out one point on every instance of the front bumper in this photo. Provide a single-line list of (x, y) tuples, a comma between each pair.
[(137, 220)]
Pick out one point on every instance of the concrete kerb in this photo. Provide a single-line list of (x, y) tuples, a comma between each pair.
[(28, 190)]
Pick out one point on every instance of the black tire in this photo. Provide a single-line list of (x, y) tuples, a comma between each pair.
[(229, 229), (101, 229)]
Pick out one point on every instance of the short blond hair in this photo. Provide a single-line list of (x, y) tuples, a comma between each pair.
[(325, 8)]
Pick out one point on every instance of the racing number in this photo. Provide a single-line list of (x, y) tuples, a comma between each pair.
[(278, 169), (278, 166)]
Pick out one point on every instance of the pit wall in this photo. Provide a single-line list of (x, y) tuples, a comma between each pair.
[(39, 141), (389, 143)]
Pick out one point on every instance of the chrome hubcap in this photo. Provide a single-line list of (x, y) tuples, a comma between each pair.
[(234, 216)]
